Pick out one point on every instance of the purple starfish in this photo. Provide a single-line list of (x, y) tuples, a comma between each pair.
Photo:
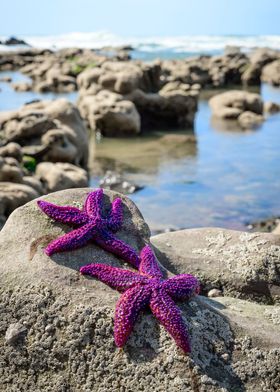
[(91, 225), (143, 288)]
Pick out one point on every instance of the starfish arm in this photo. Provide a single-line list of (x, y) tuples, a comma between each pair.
[(149, 265), (116, 278), (116, 217), (93, 203), (127, 310), (170, 317), (182, 286), (72, 240), (116, 246), (64, 214)]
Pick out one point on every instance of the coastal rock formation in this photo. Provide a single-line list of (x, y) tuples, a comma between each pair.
[(231, 104), (48, 131), (116, 92), (11, 150), (271, 73), (258, 59), (110, 114), (245, 265), (58, 176), (56, 325), (122, 77), (169, 108)]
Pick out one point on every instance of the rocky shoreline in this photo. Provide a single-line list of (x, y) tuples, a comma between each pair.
[(117, 96)]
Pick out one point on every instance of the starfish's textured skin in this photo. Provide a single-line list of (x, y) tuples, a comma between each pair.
[(90, 225), (143, 288)]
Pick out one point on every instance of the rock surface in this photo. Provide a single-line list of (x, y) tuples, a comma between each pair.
[(245, 265), (67, 318)]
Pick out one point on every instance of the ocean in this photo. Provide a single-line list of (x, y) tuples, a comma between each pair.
[(147, 48)]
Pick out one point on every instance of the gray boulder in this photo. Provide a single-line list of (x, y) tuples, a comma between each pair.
[(245, 265)]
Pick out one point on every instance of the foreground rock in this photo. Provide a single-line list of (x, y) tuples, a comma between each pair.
[(56, 326), (240, 264)]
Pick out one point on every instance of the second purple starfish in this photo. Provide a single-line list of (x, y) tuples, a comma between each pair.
[(143, 288), (91, 225)]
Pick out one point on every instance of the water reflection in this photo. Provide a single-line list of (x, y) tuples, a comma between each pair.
[(222, 177)]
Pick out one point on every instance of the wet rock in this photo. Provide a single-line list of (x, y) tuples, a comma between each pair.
[(166, 109), (53, 129), (14, 41), (110, 114), (11, 150), (271, 107), (6, 79), (58, 176), (250, 120), (10, 170), (231, 104), (245, 265), (258, 59), (271, 73), (14, 333), (69, 319), (22, 86), (116, 182), (264, 225)]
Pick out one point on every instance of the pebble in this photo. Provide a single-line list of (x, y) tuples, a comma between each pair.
[(215, 293)]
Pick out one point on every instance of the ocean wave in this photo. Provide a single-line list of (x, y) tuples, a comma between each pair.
[(182, 44)]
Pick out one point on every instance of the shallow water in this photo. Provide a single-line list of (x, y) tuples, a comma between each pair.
[(226, 179)]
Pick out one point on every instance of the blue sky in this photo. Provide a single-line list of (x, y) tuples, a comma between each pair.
[(140, 17)]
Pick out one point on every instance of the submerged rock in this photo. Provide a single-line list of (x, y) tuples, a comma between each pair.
[(245, 265), (116, 182), (69, 341), (231, 104), (250, 120)]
